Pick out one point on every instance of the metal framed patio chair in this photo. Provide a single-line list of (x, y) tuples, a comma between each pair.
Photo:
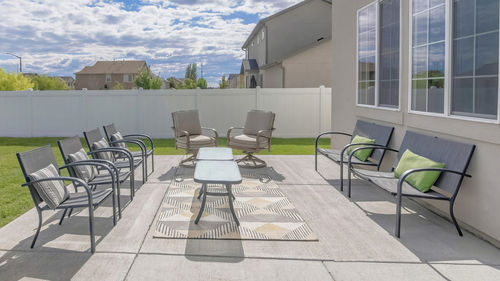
[(189, 133), (113, 135), (100, 149), (256, 136), (72, 152), (46, 185)]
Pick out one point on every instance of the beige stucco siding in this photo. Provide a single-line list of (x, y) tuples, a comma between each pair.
[(477, 204), (273, 77), (310, 68)]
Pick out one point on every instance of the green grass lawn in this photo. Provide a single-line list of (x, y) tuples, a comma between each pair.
[(15, 200)]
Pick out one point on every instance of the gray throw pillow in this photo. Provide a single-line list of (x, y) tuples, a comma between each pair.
[(54, 192), (84, 172), (101, 145), (118, 137)]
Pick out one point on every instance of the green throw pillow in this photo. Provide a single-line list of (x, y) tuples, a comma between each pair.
[(361, 154), (423, 181)]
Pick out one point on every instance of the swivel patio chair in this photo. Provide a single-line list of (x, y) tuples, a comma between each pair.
[(46, 185), (113, 135), (256, 136), (100, 149), (189, 133)]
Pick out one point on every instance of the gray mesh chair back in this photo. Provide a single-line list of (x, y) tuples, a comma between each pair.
[(455, 155), (34, 160), (92, 136), (109, 130), (69, 146), (380, 133)]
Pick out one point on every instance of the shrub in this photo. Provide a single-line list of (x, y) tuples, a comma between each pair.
[(14, 82)]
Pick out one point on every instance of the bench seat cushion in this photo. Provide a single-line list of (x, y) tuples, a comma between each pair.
[(334, 155), (388, 182), (195, 141)]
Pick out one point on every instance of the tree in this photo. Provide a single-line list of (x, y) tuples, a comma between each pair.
[(188, 71), (191, 72), (201, 83), (14, 82), (43, 83), (155, 83), (189, 83), (118, 86), (143, 79), (223, 84)]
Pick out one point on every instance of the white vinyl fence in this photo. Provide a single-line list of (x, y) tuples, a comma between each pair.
[(299, 112)]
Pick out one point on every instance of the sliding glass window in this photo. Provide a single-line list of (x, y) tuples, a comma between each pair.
[(475, 58), (428, 55), (367, 54)]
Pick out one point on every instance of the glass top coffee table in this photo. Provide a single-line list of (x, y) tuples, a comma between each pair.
[(215, 154)]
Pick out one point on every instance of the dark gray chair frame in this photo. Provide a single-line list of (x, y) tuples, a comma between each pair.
[(36, 159), (72, 145), (455, 155), (94, 136), (110, 129), (382, 135)]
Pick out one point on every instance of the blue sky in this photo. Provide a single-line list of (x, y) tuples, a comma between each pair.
[(57, 37)]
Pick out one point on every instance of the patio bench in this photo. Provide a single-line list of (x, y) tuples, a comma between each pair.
[(454, 155), (380, 133)]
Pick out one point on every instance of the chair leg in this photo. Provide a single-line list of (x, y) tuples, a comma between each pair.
[(257, 162), (398, 216), (349, 182), (452, 214), (132, 185), (152, 161), (62, 217), (91, 224), (114, 207), (342, 177), (316, 159), (38, 229)]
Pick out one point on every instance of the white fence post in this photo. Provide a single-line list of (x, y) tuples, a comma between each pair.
[(321, 89)]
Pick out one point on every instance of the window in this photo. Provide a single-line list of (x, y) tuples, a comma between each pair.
[(379, 54), (428, 55), (367, 54), (475, 58), (455, 72), (263, 35), (127, 78), (108, 77)]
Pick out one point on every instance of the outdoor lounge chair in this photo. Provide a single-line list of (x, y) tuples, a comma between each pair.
[(257, 135), (45, 183), (100, 149), (113, 135), (381, 134), (455, 155), (70, 146), (189, 133)]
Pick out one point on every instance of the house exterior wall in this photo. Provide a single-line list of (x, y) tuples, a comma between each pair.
[(310, 68), (258, 50), (477, 203), (98, 81), (297, 28), (273, 77)]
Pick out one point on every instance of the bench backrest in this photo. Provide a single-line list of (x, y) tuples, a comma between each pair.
[(455, 155), (380, 133)]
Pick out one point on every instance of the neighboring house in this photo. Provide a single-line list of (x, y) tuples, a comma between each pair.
[(106, 74), (235, 81), (290, 49), (439, 78)]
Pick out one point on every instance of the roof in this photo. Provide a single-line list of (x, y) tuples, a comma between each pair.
[(249, 65), (262, 22), (111, 67)]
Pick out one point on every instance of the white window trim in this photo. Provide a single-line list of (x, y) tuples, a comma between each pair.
[(377, 103), (447, 76)]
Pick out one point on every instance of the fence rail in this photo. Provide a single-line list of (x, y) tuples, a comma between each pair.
[(299, 112)]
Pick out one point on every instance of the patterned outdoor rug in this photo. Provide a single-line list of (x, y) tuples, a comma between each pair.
[(263, 210)]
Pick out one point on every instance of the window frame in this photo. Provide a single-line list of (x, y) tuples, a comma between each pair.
[(447, 110), (377, 49)]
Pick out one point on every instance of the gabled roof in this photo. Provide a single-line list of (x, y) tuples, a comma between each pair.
[(249, 65), (262, 22), (114, 67)]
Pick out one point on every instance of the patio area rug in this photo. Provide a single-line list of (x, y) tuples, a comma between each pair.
[(263, 210)]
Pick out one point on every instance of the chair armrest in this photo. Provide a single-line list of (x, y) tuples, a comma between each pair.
[(328, 133), (371, 146), (213, 130), (409, 172), (72, 179), (354, 144), (124, 151), (108, 165), (150, 139), (231, 129), (139, 143)]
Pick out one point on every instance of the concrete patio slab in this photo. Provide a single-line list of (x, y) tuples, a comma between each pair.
[(355, 238), (370, 271), (164, 267)]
